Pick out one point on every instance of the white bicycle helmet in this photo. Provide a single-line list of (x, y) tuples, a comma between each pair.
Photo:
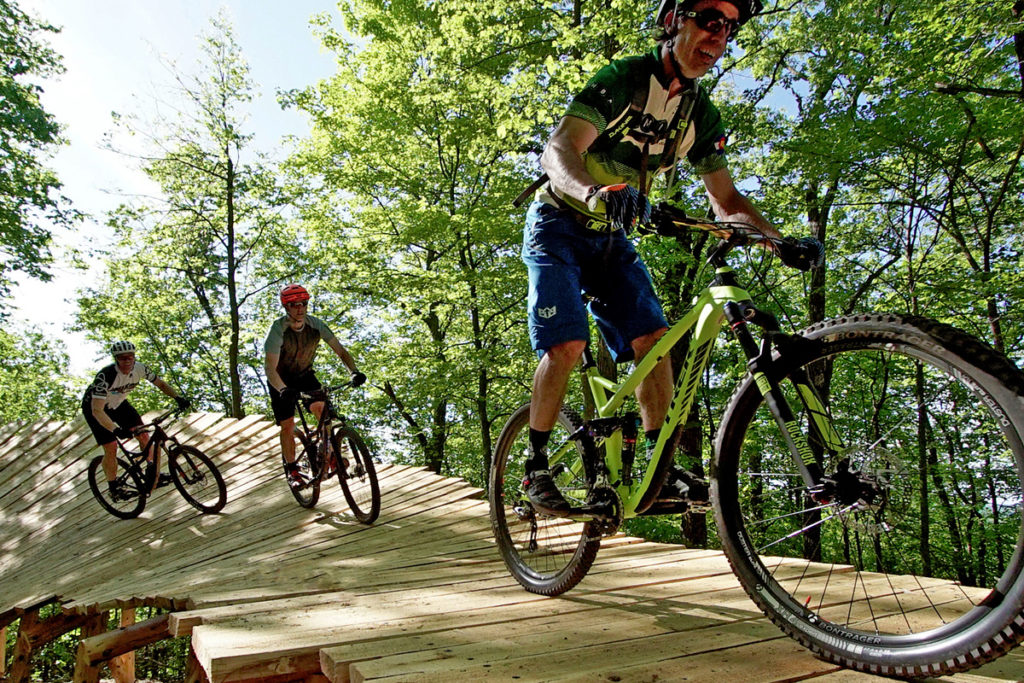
[(119, 347)]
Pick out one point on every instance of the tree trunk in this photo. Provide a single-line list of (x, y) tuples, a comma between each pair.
[(233, 312)]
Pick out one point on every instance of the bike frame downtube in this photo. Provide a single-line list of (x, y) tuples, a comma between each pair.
[(705, 318)]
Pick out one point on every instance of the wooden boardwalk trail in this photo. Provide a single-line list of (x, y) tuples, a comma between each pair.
[(269, 591)]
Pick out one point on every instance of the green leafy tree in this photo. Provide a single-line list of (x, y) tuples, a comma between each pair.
[(188, 265), (417, 144), (34, 378), (28, 189)]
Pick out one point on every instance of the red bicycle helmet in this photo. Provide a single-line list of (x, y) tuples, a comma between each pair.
[(293, 293)]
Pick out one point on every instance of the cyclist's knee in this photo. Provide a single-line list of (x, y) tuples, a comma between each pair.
[(287, 426), (642, 344), (565, 353)]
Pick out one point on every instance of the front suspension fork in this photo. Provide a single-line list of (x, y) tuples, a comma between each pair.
[(764, 369)]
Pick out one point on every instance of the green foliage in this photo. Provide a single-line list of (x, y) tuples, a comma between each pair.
[(34, 378), (28, 189), (190, 268)]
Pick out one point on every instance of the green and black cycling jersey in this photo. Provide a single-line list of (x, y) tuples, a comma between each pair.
[(628, 102), (296, 349)]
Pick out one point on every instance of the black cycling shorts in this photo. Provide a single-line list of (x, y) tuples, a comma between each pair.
[(124, 416), (285, 408)]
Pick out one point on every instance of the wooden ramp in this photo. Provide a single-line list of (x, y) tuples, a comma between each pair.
[(270, 591)]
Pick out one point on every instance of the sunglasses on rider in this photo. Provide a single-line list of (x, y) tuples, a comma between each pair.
[(713, 21), (297, 304)]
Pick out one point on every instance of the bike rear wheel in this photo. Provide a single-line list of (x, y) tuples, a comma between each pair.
[(546, 555), (197, 479), (131, 498), (357, 475), (910, 565), (308, 460)]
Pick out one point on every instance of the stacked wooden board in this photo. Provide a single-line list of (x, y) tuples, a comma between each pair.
[(270, 591)]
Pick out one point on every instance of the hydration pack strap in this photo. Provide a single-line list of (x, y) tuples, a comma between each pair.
[(534, 186)]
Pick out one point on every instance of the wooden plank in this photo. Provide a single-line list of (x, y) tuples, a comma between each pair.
[(563, 660), (237, 645)]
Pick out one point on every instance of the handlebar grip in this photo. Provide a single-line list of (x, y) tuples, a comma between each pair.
[(803, 254)]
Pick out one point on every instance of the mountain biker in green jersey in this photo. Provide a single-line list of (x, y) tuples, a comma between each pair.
[(637, 117), (109, 414), (290, 348)]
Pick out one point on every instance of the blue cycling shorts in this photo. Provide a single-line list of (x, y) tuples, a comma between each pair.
[(565, 259)]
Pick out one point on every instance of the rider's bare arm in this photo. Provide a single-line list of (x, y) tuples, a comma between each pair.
[(730, 205), (342, 353), (270, 366), (165, 387), (98, 405), (563, 157)]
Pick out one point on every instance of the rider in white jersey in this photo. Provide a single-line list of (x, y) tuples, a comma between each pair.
[(111, 417)]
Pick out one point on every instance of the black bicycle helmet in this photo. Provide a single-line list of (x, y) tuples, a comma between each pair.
[(667, 8)]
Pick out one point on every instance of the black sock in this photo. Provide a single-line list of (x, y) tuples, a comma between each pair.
[(652, 439), (538, 459)]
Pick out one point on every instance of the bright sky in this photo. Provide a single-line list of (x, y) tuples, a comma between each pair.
[(112, 51)]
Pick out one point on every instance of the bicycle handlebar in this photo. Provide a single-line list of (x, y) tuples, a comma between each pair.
[(155, 422), (802, 254), (325, 390)]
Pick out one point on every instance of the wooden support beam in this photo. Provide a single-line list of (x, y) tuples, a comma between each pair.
[(97, 649), (122, 667), (34, 633), (84, 671), (194, 672), (21, 664)]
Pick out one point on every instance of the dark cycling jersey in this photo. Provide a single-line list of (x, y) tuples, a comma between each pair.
[(113, 386), (296, 348), (608, 102)]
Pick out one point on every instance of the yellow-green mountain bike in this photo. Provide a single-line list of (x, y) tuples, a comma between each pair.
[(866, 478)]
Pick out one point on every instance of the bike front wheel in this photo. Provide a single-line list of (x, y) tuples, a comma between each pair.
[(907, 559), (129, 496), (357, 475), (197, 479), (546, 555)]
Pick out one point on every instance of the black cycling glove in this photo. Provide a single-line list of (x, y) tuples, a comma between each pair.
[(358, 378), (183, 403), (804, 253), (624, 205)]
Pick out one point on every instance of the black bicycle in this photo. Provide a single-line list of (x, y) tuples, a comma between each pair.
[(334, 447), (192, 471)]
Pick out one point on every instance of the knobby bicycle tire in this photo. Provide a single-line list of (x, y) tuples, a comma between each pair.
[(131, 484), (546, 555), (308, 461), (921, 576), (197, 479), (357, 475)]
